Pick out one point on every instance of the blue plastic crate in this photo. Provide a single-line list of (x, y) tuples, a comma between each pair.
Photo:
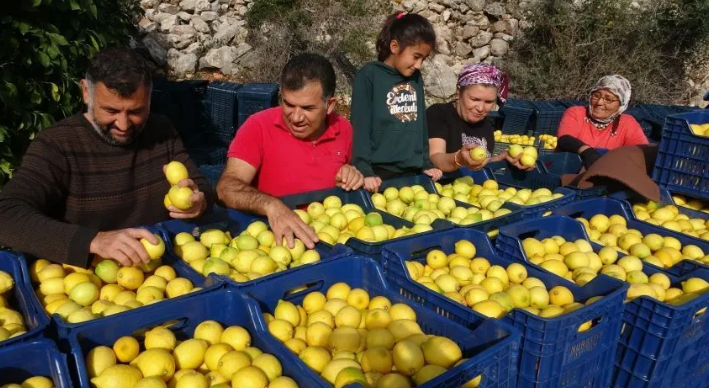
[(549, 352), (255, 97), (208, 153), (610, 206), (226, 306), (663, 345), (361, 198), (229, 220), (517, 115), (212, 172), (547, 116), (220, 118), (22, 299), (490, 345), (681, 164), (181, 103), (34, 358)]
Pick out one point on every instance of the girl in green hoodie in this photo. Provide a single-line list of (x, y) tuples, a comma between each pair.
[(388, 104)]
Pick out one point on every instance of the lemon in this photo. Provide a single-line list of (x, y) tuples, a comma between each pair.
[(155, 362), (178, 287), (382, 302), (427, 373), (107, 271), (378, 359), (160, 337), (402, 311), (50, 271), (124, 297), (377, 318), (315, 357), (84, 293), (694, 285), (296, 345), (281, 329), (489, 308), (318, 334), (150, 382), (250, 377), (214, 353), (237, 337), (37, 266), (358, 298), (344, 339), (192, 380), (210, 331), (52, 286), (283, 382), (407, 357), (190, 353), (130, 277), (98, 359), (394, 380), (109, 292), (81, 315), (323, 316), (126, 349), (338, 291), (64, 310), (403, 329), (117, 376), (441, 351), (166, 272), (334, 367), (348, 316), (149, 294), (38, 382), (115, 309), (287, 312), (232, 362), (269, 365), (214, 378)]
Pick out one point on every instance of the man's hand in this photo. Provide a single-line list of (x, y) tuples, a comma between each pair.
[(123, 246), (372, 183), (199, 204), (349, 178), (517, 164), (434, 173), (285, 223)]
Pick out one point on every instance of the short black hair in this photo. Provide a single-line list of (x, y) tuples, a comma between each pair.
[(120, 69), (408, 29), (307, 67)]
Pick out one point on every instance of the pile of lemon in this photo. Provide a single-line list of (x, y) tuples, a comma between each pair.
[(348, 337), (12, 323), (661, 251), (690, 203), (215, 356), (489, 196), (669, 217), (491, 290), (33, 382), (514, 139), (251, 255), (78, 294), (336, 223), (549, 141), (420, 207)]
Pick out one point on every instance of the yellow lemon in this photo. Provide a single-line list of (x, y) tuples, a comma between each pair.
[(126, 349)]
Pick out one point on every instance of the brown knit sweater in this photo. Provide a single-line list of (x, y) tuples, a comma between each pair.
[(73, 184)]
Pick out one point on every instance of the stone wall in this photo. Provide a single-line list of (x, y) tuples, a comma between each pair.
[(187, 36)]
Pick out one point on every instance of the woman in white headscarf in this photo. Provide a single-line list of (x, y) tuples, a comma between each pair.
[(602, 124)]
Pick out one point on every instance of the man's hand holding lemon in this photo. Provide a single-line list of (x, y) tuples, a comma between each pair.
[(183, 200)]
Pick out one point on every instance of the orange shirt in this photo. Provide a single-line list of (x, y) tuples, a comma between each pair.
[(574, 123)]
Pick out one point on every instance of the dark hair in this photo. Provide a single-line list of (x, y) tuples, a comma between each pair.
[(307, 67), (407, 29), (120, 69)]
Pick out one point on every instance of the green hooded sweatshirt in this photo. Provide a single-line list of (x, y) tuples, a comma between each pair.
[(389, 121)]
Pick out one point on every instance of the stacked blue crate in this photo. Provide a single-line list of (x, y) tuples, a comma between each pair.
[(255, 97)]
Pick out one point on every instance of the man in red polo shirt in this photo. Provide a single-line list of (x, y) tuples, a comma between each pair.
[(300, 146)]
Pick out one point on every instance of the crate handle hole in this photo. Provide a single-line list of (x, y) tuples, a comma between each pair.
[(530, 234), (590, 324), (699, 312), (296, 292), (421, 253), (174, 325)]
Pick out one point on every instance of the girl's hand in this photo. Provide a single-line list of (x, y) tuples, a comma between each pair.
[(372, 183), (434, 173)]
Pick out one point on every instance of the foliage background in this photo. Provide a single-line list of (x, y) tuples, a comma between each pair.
[(46, 46)]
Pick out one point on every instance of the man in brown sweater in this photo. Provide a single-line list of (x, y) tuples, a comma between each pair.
[(87, 182)]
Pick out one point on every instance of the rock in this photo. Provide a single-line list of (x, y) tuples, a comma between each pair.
[(443, 33), (446, 15), (462, 49), (222, 58), (443, 47), (146, 4), (200, 25), (440, 80), (158, 17), (172, 9), (242, 49), (479, 20), (481, 39), (149, 13), (481, 52), (249, 60), (495, 9), (180, 41), (436, 7), (242, 10), (209, 16), (184, 16), (184, 64), (505, 37), (146, 25), (187, 5), (202, 5), (470, 31), (193, 48), (226, 33), (499, 47), (183, 30), (500, 26), (157, 52), (167, 23), (475, 5)]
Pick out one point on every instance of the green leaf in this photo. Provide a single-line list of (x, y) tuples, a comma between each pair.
[(36, 98), (55, 92), (93, 10), (11, 89), (43, 59), (74, 5), (58, 39), (36, 3), (23, 28)]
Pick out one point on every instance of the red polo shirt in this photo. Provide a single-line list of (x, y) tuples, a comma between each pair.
[(285, 164)]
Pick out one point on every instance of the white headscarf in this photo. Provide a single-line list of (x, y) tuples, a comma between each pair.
[(620, 87)]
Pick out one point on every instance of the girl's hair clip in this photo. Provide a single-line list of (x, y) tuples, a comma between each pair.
[(400, 15)]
